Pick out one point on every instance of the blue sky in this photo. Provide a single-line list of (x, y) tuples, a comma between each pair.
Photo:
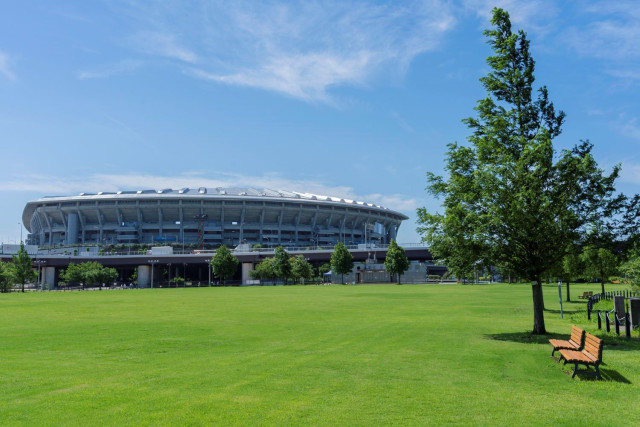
[(353, 99)]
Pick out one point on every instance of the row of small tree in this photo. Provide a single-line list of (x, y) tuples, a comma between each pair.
[(88, 273), (284, 267)]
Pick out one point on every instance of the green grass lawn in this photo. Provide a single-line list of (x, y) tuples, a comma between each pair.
[(294, 355)]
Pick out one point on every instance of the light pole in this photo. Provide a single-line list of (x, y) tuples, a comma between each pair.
[(40, 263), (209, 268), (153, 262), (20, 225)]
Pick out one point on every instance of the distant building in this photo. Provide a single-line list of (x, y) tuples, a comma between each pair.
[(208, 217)]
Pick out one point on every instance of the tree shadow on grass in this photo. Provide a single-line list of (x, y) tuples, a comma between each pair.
[(527, 337), (614, 343), (548, 310), (619, 343)]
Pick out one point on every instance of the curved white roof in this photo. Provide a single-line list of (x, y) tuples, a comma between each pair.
[(214, 193)]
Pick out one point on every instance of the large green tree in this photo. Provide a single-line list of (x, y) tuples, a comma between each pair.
[(509, 199), (22, 268), (224, 264), (572, 268), (599, 263), (264, 270), (341, 261), (282, 264), (301, 269), (396, 261)]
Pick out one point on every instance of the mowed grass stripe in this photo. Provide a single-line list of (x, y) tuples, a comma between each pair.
[(348, 355)]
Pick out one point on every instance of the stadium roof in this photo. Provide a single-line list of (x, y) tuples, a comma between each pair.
[(218, 192)]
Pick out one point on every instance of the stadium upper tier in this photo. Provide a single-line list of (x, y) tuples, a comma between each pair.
[(207, 216)]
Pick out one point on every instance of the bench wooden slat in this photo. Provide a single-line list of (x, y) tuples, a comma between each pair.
[(576, 342), (591, 355)]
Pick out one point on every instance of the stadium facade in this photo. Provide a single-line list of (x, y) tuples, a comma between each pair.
[(208, 217)]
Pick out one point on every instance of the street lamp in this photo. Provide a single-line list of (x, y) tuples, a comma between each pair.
[(209, 268), (40, 263), (153, 262)]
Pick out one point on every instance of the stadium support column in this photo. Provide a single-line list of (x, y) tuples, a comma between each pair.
[(241, 236), (72, 228), (144, 274), (247, 267), (49, 277), (393, 231)]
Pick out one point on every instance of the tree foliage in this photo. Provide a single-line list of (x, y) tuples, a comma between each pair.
[(6, 277), (301, 269), (341, 260), (22, 270), (631, 270), (224, 264), (509, 199), (264, 270), (396, 261), (88, 273), (572, 268), (599, 263), (282, 264), (324, 268)]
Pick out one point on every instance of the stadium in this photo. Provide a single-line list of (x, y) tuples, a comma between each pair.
[(207, 217)]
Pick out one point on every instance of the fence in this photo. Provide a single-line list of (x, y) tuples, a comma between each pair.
[(619, 319)]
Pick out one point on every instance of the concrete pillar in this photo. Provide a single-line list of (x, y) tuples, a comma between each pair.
[(247, 267), (72, 229), (49, 277), (144, 276)]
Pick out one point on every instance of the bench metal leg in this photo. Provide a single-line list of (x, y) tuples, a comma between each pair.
[(575, 370)]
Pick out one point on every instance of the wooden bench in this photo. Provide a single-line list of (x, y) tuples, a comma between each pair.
[(586, 295), (575, 342), (591, 355)]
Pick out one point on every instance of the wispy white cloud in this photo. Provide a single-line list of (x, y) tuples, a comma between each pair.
[(402, 122), (630, 173), (303, 50), (629, 127), (54, 185), (628, 75), (535, 15), (162, 44), (612, 31), (110, 70), (5, 66)]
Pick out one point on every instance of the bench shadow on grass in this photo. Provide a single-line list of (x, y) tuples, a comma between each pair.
[(607, 374)]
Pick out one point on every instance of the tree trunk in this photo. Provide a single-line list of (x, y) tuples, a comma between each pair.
[(538, 309), (602, 285), (568, 296)]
